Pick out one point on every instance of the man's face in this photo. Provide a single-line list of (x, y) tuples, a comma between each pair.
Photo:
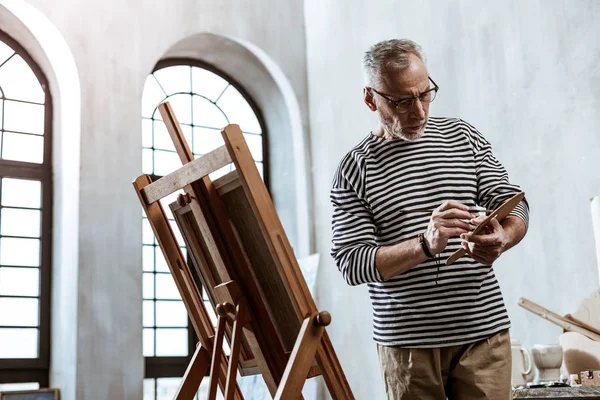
[(395, 84)]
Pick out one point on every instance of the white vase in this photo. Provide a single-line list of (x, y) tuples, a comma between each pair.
[(548, 359)]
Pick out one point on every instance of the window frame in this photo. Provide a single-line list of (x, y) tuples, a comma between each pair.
[(173, 367), (176, 61), (18, 370)]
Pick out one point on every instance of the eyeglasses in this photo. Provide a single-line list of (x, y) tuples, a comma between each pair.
[(405, 103)]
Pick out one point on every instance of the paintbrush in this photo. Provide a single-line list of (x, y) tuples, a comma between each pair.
[(417, 210)]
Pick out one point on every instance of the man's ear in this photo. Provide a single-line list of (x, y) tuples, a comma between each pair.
[(369, 100)]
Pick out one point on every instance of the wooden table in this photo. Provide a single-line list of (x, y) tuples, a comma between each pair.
[(562, 393)]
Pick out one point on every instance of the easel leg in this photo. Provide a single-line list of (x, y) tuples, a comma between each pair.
[(303, 354), (193, 374), (216, 359), (332, 371), (236, 341)]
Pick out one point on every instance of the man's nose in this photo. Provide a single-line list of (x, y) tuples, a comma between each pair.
[(418, 109)]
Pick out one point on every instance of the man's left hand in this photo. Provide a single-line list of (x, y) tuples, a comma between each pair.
[(487, 246)]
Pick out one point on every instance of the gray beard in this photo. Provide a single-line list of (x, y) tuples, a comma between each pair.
[(395, 130)]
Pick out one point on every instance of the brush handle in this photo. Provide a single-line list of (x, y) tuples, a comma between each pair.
[(430, 211)]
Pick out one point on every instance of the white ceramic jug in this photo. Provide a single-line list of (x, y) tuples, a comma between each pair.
[(522, 367)]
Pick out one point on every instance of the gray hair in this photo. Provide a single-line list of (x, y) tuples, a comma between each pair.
[(388, 54)]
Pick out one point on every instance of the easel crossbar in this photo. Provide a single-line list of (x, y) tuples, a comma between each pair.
[(189, 173)]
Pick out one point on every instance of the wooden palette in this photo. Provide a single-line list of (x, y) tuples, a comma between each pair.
[(499, 214)]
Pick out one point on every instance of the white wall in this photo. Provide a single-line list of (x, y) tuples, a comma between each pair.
[(115, 45), (525, 73)]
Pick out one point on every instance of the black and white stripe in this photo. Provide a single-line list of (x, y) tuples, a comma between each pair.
[(377, 179)]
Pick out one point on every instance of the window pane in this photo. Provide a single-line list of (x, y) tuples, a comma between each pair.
[(5, 52), (149, 392), (148, 286), (19, 281), (19, 386), (23, 343), (19, 82), (161, 263), (207, 114), (19, 312), (147, 234), (148, 313), (162, 140), (152, 97), (172, 342), (21, 252), (165, 287), (16, 222), (148, 258), (165, 162), (238, 110), (174, 79), (146, 132), (166, 388), (182, 107), (23, 117), (259, 166), (187, 133), (147, 161), (255, 146), (21, 193), (148, 342), (171, 314), (206, 140), (203, 391), (19, 147), (207, 83)]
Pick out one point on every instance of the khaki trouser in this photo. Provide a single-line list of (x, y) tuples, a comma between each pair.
[(479, 370)]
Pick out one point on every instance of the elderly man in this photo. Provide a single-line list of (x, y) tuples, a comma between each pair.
[(441, 331)]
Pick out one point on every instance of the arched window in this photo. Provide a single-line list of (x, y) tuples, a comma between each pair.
[(204, 101), (25, 217)]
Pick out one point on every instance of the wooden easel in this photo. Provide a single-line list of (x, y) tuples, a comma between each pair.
[(243, 259)]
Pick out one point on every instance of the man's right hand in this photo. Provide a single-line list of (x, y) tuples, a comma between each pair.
[(445, 223)]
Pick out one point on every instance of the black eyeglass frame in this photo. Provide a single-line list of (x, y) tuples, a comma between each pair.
[(396, 103)]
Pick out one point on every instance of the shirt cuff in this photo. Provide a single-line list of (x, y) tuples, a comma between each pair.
[(375, 276)]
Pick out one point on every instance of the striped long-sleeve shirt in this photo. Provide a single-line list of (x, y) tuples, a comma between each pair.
[(379, 177)]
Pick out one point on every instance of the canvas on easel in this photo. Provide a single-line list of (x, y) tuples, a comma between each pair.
[(245, 263)]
